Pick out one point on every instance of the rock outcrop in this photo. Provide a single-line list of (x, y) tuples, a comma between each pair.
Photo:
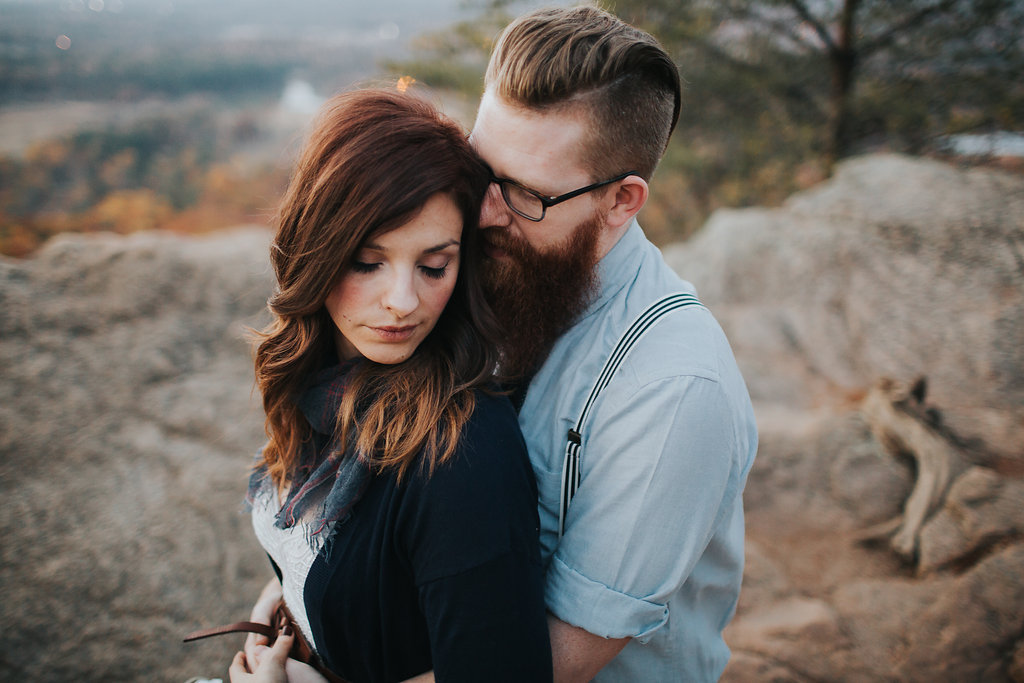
[(128, 420), (896, 267), (884, 533)]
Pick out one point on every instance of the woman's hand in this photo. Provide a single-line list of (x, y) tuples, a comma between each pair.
[(302, 673), (272, 665), (262, 612), (267, 665)]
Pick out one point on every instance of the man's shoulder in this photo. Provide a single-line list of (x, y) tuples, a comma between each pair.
[(684, 340)]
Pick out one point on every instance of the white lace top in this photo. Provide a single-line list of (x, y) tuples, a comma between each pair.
[(290, 549)]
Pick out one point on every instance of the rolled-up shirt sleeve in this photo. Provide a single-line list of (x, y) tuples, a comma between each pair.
[(659, 472)]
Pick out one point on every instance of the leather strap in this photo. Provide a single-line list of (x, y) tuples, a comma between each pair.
[(301, 650), (237, 627)]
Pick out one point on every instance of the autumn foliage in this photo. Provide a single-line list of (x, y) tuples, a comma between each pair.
[(172, 174)]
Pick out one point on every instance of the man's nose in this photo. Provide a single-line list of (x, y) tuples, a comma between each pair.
[(400, 297), (494, 211)]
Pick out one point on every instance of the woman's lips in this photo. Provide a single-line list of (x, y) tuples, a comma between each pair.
[(395, 334)]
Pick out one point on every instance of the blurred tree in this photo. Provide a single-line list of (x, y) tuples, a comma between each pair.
[(777, 90), (455, 58), (809, 53)]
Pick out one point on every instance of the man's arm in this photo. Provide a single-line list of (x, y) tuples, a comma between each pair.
[(658, 476), (578, 655)]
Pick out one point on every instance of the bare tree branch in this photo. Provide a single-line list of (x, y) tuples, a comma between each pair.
[(787, 89), (783, 28), (719, 54), (885, 39), (800, 8)]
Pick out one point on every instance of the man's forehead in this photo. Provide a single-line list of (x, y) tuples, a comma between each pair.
[(537, 149)]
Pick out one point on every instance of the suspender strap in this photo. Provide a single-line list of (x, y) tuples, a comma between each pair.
[(574, 442)]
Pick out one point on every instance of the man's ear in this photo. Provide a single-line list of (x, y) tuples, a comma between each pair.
[(627, 198)]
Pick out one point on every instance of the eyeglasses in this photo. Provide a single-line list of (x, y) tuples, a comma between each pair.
[(532, 205)]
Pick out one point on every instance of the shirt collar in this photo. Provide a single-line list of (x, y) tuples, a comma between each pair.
[(618, 266)]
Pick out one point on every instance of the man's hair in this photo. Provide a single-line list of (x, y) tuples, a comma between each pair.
[(587, 59)]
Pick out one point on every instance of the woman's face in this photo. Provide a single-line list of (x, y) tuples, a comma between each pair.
[(387, 303)]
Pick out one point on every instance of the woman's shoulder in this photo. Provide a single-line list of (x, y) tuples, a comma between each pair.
[(492, 432), (493, 409), (490, 450), (479, 503)]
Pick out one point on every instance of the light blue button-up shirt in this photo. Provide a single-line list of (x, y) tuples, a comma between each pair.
[(653, 543)]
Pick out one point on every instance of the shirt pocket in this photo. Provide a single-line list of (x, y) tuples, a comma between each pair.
[(549, 492)]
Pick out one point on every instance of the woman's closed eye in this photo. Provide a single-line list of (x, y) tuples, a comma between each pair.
[(435, 273), (432, 272), (364, 267)]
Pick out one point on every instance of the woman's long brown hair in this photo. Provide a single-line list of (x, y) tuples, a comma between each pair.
[(372, 161)]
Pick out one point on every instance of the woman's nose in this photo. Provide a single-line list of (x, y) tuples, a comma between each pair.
[(400, 297)]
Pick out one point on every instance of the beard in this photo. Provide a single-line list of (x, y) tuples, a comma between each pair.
[(538, 294)]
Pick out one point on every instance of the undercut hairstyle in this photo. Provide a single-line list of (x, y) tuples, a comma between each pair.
[(585, 59), (373, 160)]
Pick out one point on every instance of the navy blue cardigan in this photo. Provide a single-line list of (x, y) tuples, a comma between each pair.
[(441, 572)]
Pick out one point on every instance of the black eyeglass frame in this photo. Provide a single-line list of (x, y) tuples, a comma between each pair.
[(547, 201)]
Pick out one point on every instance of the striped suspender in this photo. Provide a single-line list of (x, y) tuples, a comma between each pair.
[(644, 322)]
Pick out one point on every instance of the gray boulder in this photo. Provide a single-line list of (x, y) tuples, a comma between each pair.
[(127, 423), (895, 268)]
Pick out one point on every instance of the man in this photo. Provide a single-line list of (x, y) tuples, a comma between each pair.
[(577, 110)]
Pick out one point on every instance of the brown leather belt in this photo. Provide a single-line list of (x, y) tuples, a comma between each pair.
[(237, 627), (301, 649)]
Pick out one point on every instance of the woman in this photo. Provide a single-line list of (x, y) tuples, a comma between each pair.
[(394, 495)]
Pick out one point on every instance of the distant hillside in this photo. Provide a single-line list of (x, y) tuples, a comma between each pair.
[(67, 50)]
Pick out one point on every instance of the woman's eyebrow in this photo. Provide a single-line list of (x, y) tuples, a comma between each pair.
[(442, 246), (429, 250)]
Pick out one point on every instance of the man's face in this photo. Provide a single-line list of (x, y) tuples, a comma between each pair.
[(540, 276), (540, 151)]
